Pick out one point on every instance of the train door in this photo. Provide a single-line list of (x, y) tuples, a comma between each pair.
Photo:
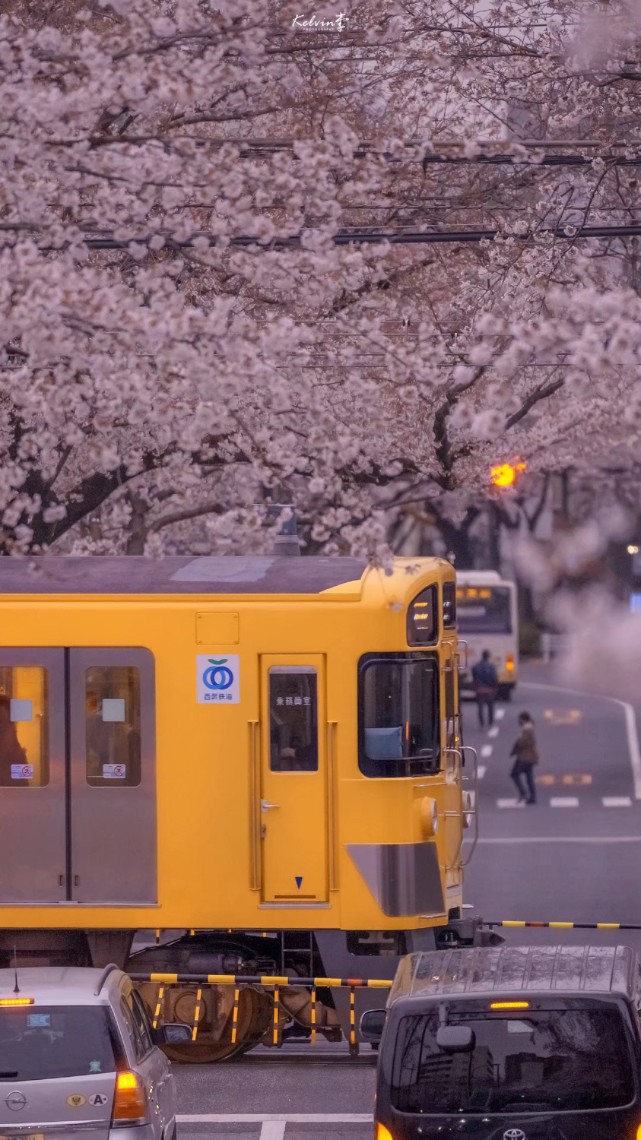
[(294, 791), (77, 779)]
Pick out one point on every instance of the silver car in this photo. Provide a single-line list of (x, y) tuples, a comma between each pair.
[(77, 1052)]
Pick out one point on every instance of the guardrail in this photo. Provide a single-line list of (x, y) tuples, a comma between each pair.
[(268, 981)]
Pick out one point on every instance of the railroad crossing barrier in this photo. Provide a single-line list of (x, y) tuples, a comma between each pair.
[(515, 923), (267, 981)]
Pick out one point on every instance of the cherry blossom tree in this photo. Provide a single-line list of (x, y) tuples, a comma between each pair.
[(220, 281)]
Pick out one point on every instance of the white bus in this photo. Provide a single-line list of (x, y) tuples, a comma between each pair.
[(487, 618)]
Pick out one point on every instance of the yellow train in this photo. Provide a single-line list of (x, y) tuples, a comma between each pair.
[(264, 752)]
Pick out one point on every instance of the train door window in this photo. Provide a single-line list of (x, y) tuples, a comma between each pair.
[(24, 733), (112, 695), (293, 719), (398, 715)]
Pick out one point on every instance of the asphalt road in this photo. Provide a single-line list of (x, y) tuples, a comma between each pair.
[(575, 857)]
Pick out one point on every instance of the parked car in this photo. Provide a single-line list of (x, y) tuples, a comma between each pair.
[(77, 1052), (512, 1043)]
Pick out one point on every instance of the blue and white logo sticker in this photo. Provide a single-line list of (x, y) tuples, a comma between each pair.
[(218, 679)]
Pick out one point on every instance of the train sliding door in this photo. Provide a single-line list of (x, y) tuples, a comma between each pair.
[(294, 800), (33, 844), (112, 777), (77, 776)]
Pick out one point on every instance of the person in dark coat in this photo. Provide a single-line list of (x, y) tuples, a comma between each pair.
[(526, 755), (486, 685)]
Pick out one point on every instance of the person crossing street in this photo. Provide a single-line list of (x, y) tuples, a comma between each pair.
[(486, 685), (526, 756)]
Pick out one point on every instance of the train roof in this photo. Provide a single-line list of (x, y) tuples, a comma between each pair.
[(510, 970), (133, 574)]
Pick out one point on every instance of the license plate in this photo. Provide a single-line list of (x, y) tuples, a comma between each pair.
[(22, 1136)]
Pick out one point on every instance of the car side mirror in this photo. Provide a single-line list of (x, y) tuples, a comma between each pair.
[(172, 1034), (372, 1025), (455, 1038)]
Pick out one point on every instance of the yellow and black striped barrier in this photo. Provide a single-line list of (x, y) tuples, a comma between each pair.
[(515, 923), (268, 981), (263, 980)]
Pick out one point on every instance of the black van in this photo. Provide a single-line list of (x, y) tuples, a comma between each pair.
[(510, 1043)]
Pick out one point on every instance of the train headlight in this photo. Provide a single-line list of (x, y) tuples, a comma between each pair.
[(429, 817)]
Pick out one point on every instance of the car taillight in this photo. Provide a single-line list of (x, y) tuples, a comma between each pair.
[(130, 1100), (639, 1132), (383, 1133), (509, 662)]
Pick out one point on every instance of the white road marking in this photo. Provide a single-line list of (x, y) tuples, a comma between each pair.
[(481, 770), (487, 750), (493, 731), (510, 803), (630, 726), (617, 801), (564, 801), (558, 839), (273, 1130), (277, 1117), (499, 714)]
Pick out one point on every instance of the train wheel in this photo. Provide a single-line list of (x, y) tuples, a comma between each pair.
[(205, 1053), (254, 1015)]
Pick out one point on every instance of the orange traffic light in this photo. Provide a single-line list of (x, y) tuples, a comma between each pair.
[(505, 474)]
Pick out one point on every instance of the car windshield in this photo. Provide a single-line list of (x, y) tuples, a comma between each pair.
[(44, 1042), (545, 1060)]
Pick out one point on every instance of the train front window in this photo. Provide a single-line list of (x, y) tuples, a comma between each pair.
[(398, 715)]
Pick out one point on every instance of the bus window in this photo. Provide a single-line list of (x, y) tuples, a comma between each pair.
[(484, 609), (293, 718), (398, 715)]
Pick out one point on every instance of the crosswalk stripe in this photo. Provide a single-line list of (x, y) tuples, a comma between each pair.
[(509, 803), (564, 801), (499, 714), (487, 750), (481, 771), (617, 801), (493, 731)]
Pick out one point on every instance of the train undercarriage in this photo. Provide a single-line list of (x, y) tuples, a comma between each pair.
[(223, 1032)]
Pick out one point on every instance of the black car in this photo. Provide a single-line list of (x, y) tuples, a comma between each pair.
[(510, 1043)]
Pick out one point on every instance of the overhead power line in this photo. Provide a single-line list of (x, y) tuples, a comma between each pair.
[(371, 237), (546, 152)]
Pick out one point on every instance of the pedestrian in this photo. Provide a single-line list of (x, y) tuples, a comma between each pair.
[(486, 686), (526, 756)]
